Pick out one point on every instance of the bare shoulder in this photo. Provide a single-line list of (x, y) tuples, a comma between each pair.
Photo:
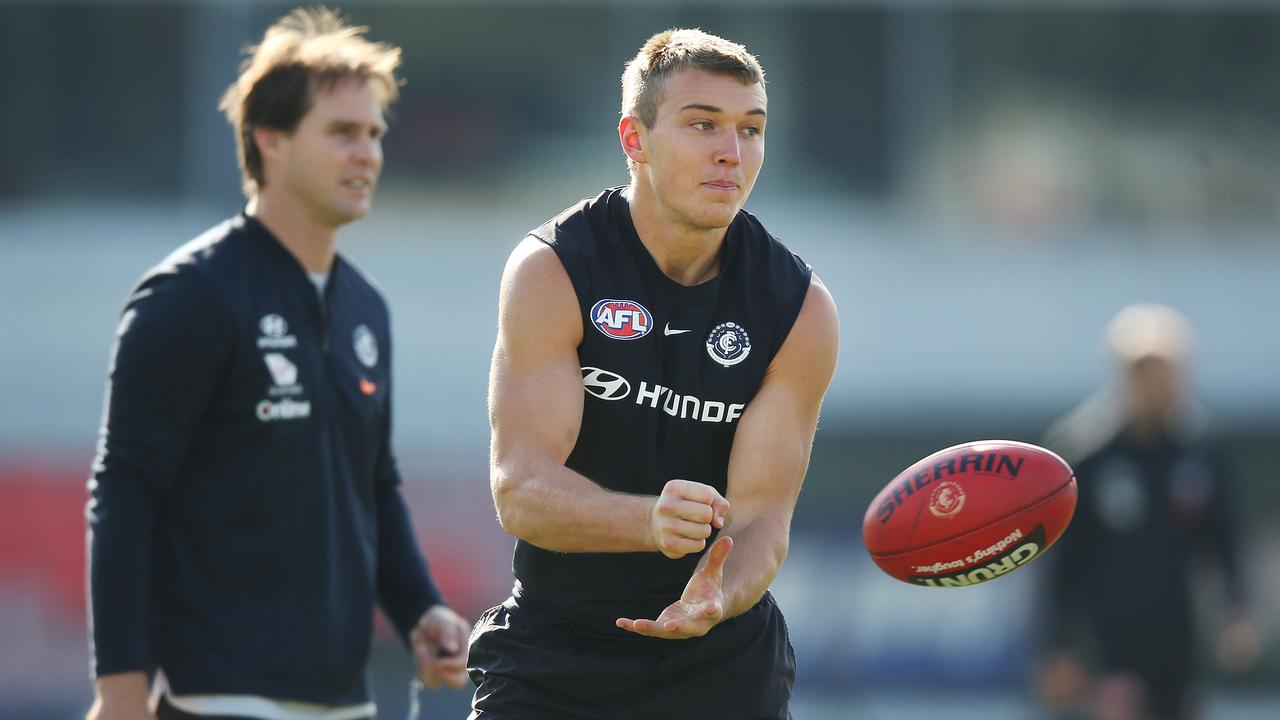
[(534, 262), (814, 341), (819, 307), (537, 295)]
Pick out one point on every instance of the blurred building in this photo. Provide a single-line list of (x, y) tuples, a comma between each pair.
[(981, 183)]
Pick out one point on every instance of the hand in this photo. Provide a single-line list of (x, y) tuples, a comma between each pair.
[(1119, 696), (684, 515), (121, 696), (1064, 681), (439, 644), (700, 607), (1238, 645)]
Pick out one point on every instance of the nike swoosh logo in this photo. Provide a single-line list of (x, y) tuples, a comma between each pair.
[(666, 330)]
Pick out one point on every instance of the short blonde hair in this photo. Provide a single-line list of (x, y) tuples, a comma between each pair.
[(304, 51), (673, 50), (1142, 331)]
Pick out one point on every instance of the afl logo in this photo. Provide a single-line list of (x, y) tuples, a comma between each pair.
[(946, 499), (604, 384), (621, 319), (728, 344)]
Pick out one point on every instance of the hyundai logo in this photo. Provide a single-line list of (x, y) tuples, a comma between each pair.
[(604, 384)]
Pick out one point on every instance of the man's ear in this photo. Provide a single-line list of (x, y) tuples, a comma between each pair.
[(630, 134), (268, 140)]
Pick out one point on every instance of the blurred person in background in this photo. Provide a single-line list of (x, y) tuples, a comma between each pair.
[(246, 513), (1155, 502), (660, 364)]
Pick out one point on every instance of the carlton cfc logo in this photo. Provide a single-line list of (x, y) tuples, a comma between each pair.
[(728, 344), (621, 319)]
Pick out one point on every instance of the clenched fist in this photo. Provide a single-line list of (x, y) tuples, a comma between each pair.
[(684, 516)]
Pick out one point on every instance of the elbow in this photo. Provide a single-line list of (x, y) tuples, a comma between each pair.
[(508, 489), (780, 550), (784, 545), (778, 528)]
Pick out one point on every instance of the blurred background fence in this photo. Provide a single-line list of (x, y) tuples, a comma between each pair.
[(981, 183)]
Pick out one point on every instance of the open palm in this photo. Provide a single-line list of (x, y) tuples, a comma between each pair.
[(700, 607)]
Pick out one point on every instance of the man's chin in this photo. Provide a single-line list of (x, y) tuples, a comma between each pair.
[(716, 217), (350, 213)]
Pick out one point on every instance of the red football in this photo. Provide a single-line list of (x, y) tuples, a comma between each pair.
[(970, 513)]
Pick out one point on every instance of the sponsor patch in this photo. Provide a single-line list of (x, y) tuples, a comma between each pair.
[(284, 375), (621, 319), (285, 409), (283, 372), (604, 384), (687, 406), (273, 325), (608, 385), (275, 333)]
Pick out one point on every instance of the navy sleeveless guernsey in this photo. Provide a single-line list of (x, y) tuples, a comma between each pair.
[(667, 371)]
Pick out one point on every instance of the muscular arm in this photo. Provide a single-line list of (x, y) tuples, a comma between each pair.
[(771, 451), (535, 412)]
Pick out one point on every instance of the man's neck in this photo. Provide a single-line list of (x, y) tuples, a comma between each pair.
[(310, 241), (1146, 431), (687, 255)]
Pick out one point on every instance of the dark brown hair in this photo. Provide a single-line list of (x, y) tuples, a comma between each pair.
[(303, 52)]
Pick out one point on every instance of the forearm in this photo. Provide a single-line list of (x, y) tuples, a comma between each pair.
[(759, 548), (558, 509)]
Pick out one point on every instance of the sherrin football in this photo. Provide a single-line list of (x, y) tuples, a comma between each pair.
[(970, 513)]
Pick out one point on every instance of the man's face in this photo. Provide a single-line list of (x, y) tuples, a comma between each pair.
[(1155, 388), (330, 163), (703, 153)]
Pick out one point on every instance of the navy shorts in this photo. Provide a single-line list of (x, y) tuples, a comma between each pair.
[(1165, 669), (531, 662)]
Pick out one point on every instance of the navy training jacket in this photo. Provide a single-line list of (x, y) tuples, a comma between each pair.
[(245, 513)]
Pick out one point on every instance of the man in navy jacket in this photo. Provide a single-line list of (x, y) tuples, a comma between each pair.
[(1156, 511), (246, 514)]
